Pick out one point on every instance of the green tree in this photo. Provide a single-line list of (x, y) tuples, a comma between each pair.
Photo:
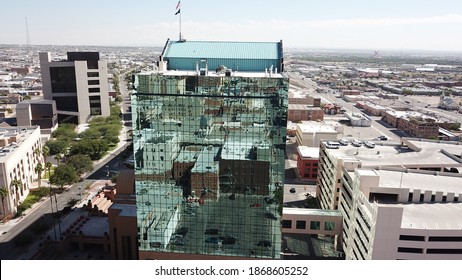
[(37, 153), (90, 133), (16, 184), (94, 148), (81, 163), (58, 146), (310, 201), (64, 174), (4, 194), (58, 158), (65, 131), (45, 152), (39, 169), (48, 166), (278, 196), (119, 99)]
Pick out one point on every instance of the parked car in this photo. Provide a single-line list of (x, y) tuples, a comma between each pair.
[(269, 200), (369, 144), (357, 143), (228, 239), (270, 216), (264, 243), (292, 190), (213, 239), (177, 240), (332, 145), (182, 231), (212, 231), (382, 137), (343, 142)]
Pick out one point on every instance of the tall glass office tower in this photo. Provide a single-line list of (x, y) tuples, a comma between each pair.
[(209, 143)]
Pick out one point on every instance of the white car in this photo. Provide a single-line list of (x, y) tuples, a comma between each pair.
[(369, 144), (332, 145), (343, 142), (357, 143)]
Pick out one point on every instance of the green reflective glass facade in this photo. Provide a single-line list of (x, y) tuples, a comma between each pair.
[(209, 163)]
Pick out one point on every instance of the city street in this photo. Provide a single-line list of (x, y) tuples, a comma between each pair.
[(363, 133)]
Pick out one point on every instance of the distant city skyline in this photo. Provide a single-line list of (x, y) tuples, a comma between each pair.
[(381, 25)]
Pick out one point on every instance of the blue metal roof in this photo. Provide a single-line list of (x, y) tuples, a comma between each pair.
[(210, 49), (184, 54)]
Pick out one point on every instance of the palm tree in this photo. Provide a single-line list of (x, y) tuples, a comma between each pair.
[(48, 166), (16, 184), (39, 169), (58, 158), (3, 194), (45, 152), (37, 152)]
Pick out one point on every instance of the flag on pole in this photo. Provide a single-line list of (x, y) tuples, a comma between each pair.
[(178, 8)]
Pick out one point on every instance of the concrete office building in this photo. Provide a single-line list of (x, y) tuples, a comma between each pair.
[(302, 112), (17, 162), (396, 214), (38, 112), (397, 201), (78, 85), (311, 133), (122, 219), (209, 141), (307, 162)]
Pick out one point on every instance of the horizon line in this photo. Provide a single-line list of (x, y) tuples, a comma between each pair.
[(286, 47)]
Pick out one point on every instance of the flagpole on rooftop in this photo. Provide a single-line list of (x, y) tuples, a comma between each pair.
[(178, 11)]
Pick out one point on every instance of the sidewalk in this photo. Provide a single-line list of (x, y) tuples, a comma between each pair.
[(9, 225), (32, 249)]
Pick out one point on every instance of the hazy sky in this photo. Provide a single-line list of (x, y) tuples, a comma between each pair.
[(391, 24)]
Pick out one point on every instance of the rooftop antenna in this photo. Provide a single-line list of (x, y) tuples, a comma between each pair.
[(28, 40)]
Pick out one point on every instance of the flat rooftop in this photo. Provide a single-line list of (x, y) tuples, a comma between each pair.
[(387, 154), (303, 107), (12, 138), (313, 127), (410, 114), (431, 215), (308, 152), (206, 161), (413, 180), (127, 210)]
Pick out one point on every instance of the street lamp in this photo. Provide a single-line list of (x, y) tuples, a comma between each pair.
[(80, 192), (52, 213), (59, 220)]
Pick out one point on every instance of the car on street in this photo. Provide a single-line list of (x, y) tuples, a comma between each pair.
[(292, 190), (382, 137)]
